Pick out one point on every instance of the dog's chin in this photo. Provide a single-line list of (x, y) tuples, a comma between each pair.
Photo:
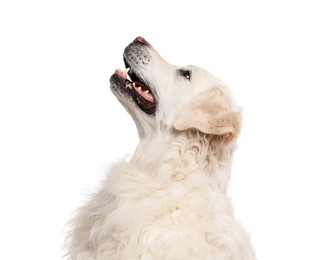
[(134, 88)]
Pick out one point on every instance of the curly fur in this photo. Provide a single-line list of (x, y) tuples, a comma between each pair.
[(169, 201)]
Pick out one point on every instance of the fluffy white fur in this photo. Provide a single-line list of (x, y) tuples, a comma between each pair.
[(169, 201)]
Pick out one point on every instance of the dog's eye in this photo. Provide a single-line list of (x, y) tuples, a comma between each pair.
[(185, 73)]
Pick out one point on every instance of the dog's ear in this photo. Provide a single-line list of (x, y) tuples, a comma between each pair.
[(212, 113)]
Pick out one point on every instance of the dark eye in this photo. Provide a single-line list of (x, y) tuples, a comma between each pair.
[(185, 73)]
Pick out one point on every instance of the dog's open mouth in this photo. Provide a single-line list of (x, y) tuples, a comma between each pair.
[(140, 92)]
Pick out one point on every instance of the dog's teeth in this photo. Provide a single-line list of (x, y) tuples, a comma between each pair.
[(126, 71), (147, 92)]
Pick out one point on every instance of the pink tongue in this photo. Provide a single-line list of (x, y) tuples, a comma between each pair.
[(120, 73), (146, 95)]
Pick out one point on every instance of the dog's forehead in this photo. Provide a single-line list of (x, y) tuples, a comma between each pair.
[(203, 79), (201, 73)]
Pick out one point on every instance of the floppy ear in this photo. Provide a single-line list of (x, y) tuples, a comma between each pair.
[(212, 113)]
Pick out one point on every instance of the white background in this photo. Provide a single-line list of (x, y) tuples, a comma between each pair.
[(61, 127)]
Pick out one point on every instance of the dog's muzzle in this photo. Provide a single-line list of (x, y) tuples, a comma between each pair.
[(129, 83)]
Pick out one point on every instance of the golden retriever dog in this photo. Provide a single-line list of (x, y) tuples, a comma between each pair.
[(169, 201)]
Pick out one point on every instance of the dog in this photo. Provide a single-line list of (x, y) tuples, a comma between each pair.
[(169, 201)]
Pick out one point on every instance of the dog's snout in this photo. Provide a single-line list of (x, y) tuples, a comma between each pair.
[(140, 39)]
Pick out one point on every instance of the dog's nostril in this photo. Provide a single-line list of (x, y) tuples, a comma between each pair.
[(141, 40)]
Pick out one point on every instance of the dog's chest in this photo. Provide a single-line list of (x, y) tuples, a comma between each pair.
[(161, 211)]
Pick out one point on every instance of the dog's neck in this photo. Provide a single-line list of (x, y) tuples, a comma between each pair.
[(178, 154)]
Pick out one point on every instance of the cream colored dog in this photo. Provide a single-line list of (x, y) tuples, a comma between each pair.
[(169, 201)]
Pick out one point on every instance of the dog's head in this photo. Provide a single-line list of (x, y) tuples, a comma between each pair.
[(160, 96)]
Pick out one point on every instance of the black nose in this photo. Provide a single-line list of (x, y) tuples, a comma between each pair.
[(140, 39)]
